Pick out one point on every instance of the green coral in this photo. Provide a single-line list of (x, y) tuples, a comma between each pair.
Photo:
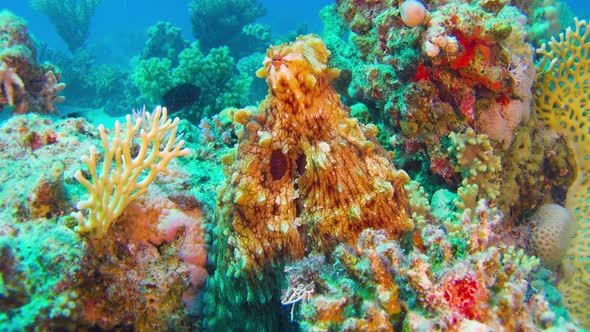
[(164, 41), (215, 73), (152, 77)]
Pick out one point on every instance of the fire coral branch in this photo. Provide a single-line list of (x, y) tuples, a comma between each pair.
[(120, 180)]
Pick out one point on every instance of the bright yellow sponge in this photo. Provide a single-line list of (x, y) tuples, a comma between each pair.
[(563, 93)]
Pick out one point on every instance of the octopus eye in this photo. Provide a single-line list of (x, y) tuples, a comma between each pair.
[(277, 60)]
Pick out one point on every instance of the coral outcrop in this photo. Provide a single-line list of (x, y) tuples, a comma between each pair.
[(305, 176), (71, 18), (170, 65), (468, 65), (148, 272), (145, 275), (455, 275), (224, 22), (25, 84)]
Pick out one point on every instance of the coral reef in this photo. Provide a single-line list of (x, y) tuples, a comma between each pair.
[(456, 276), (25, 84), (71, 18), (468, 71), (468, 66), (299, 213), (305, 176), (146, 274), (562, 103)]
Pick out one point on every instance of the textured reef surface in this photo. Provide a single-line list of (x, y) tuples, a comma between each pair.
[(414, 166)]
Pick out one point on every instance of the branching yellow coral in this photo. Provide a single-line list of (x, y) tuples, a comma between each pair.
[(125, 177), (563, 95), (307, 175)]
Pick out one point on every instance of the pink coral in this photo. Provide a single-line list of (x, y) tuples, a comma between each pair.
[(192, 251), (413, 13), (160, 220)]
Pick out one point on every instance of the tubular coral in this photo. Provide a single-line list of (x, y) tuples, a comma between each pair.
[(306, 173)]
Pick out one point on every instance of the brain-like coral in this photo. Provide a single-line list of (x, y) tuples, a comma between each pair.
[(554, 227)]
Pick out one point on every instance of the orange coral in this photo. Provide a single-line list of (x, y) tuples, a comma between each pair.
[(307, 175)]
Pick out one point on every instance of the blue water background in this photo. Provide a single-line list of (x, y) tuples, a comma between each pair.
[(118, 28), (123, 24)]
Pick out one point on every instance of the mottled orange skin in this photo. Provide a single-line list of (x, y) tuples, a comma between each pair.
[(307, 175)]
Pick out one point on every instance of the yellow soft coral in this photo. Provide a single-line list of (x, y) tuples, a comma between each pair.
[(562, 101), (124, 176)]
